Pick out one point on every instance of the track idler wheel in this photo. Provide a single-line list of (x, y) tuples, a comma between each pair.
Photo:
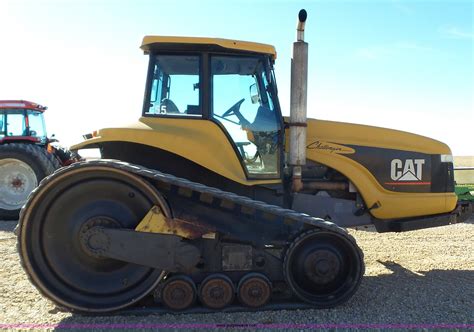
[(53, 231), (179, 292), (216, 291), (254, 290), (323, 268)]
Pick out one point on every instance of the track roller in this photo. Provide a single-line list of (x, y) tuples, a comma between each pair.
[(216, 291), (254, 290), (179, 292), (323, 268)]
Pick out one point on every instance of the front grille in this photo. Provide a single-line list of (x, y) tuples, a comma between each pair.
[(442, 175)]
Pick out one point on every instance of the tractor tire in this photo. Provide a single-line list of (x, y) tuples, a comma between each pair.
[(22, 167), (66, 156)]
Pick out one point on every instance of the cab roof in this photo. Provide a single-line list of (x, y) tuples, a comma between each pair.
[(21, 104), (170, 43)]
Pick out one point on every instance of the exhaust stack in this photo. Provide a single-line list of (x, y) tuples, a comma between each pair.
[(298, 102)]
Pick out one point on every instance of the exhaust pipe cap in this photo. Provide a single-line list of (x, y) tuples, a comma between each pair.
[(302, 15)]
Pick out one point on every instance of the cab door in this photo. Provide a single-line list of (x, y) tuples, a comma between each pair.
[(241, 103)]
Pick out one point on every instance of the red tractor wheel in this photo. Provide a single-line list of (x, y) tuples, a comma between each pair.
[(22, 167)]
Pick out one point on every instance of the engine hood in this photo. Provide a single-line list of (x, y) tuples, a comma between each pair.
[(388, 167), (321, 132)]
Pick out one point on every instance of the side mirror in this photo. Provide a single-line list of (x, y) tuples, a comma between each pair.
[(254, 97)]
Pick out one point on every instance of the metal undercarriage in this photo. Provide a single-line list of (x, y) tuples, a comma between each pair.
[(100, 254)]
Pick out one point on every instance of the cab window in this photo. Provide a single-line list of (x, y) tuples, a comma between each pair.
[(242, 104), (36, 124), (175, 87), (2, 124), (15, 123)]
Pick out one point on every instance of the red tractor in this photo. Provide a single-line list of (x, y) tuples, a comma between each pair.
[(27, 155)]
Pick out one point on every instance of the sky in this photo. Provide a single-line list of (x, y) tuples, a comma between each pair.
[(405, 65)]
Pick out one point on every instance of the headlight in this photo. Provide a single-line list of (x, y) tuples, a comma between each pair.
[(447, 158)]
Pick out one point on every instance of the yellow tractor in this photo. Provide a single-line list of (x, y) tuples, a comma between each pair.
[(213, 198)]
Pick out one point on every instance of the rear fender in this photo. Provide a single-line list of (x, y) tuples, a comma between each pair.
[(200, 141)]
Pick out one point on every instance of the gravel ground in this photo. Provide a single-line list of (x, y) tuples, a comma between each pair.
[(420, 277)]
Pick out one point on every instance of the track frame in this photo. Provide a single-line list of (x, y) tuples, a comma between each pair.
[(234, 218)]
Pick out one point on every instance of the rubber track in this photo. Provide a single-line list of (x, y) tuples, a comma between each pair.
[(161, 310), (197, 187), (65, 155)]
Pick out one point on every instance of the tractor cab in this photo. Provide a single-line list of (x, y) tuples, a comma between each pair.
[(230, 83), (22, 121)]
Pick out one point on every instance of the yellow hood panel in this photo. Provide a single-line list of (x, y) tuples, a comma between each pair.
[(332, 144), (355, 134)]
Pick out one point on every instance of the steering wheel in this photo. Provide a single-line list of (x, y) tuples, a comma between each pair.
[(235, 110)]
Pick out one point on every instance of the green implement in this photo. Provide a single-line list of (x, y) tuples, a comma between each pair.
[(464, 188)]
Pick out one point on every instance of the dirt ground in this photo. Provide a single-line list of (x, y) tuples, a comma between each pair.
[(421, 277)]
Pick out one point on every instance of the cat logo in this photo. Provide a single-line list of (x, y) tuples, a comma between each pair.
[(409, 171)]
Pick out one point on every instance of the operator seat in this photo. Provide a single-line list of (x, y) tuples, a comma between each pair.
[(167, 106), (265, 131), (265, 120)]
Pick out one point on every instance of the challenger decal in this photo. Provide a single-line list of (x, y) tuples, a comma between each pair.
[(330, 147)]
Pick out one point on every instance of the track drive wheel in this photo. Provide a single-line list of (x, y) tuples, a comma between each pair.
[(179, 292), (323, 268), (60, 212), (216, 291), (254, 290)]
